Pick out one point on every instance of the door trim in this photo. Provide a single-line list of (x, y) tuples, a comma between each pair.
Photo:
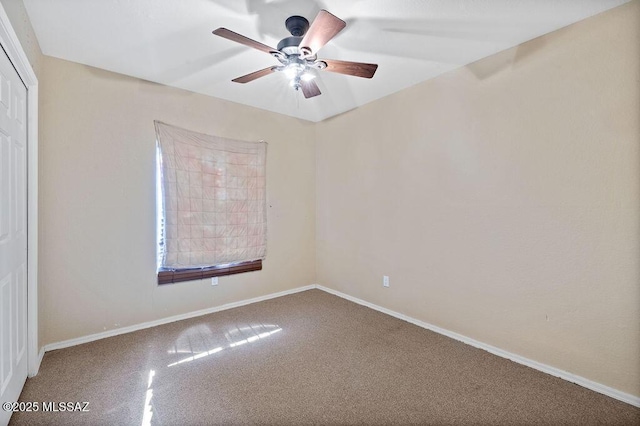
[(11, 45)]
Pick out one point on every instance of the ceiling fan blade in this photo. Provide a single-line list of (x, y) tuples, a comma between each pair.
[(324, 28), (254, 75), (357, 69), (238, 38), (309, 89)]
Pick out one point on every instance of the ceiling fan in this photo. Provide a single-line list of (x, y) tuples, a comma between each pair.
[(298, 54)]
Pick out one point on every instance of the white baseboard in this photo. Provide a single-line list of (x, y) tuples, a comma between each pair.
[(136, 327), (36, 368), (570, 377)]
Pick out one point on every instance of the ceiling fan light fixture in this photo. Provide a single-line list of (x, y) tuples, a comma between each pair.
[(293, 70), (307, 76)]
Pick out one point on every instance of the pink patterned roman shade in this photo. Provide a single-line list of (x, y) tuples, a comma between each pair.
[(213, 199)]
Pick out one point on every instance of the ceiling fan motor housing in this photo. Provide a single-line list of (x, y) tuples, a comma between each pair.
[(289, 45), (297, 26)]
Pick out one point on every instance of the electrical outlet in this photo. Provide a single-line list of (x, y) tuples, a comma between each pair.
[(214, 281), (385, 281)]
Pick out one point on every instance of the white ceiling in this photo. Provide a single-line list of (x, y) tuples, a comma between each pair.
[(170, 42)]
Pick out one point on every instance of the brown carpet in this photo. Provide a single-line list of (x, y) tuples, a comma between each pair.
[(308, 358)]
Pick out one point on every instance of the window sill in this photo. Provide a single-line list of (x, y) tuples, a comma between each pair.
[(169, 276)]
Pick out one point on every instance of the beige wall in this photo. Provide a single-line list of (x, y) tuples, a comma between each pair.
[(502, 199), (97, 200)]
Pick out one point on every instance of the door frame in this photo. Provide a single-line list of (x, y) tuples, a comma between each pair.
[(11, 45)]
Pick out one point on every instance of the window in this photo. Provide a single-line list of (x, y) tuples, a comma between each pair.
[(211, 194)]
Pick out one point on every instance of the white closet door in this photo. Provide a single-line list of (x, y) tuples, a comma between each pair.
[(13, 234)]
